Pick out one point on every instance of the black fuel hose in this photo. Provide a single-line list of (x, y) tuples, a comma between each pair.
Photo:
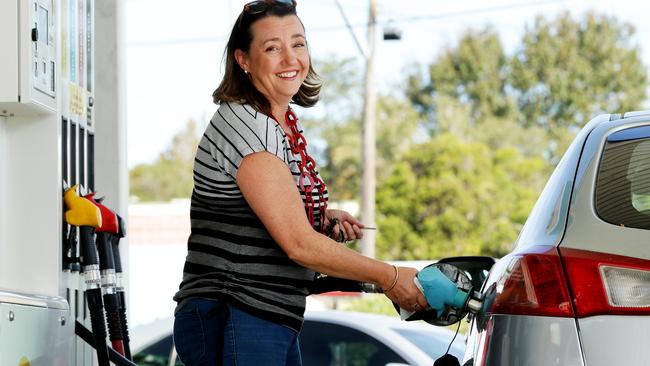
[(121, 294), (113, 356), (111, 302), (90, 265)]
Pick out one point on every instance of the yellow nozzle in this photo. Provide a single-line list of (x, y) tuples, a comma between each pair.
[(80, 211)]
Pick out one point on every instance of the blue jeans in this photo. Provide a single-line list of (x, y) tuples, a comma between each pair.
[(213, 332)]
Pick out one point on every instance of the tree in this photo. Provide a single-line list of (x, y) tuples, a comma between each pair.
[(170, 176), (567, 71), (564, 73), (339, 126), (397, 123), (473, 73), (449, 197)]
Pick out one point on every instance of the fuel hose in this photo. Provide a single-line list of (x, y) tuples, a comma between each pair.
[(121, 293), (86, 216), (108, 278)]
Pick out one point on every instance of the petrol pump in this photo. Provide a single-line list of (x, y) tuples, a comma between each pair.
[(48, 125)]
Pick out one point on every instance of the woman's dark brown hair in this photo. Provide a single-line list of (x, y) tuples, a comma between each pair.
[(236, 85)]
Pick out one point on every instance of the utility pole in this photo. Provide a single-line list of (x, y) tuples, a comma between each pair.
[(368, 161), (368, 141)]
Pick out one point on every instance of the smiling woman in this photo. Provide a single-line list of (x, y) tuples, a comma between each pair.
[(276, 64), (259, 213)]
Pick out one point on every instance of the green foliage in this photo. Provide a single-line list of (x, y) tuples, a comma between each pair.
[(397, 123), (341, 94), (371, 303), (564, 73), (568, 71), (170, 176), (472, 73), (448, 197)]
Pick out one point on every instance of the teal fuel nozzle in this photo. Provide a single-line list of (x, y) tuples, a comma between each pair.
[(440, 290)]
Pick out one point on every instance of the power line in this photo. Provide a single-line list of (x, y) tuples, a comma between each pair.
[(446, 15), (418, 18)]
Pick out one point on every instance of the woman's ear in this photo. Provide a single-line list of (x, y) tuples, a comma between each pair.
[(242, 59)]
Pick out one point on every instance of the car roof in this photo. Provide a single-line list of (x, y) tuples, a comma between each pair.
[(385, 329), (373, 321)]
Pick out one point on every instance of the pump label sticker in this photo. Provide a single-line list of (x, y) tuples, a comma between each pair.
[(77, 101)]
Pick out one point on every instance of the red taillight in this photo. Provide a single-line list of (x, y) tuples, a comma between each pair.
[(606, 283), (532, 283)]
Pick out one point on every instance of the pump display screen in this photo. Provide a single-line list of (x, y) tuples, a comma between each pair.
[(42, 24)]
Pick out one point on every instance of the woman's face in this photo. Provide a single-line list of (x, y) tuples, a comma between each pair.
[(278, 58)]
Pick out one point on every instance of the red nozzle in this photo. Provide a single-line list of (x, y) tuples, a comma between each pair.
[(109, 218)]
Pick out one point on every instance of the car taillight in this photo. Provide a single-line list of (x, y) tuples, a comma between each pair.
[(533, 283), (606, 283)]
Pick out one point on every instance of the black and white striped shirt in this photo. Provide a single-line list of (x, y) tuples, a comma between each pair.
[(231, 255)]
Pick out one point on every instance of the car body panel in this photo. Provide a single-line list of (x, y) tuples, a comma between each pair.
[(615, 340), (531, 341), (547, 221), (564, 216), (585, 230)]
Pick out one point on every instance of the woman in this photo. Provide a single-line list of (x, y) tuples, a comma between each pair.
[(259, 208)]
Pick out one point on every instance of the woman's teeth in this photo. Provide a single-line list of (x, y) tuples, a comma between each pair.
[(289, 74)]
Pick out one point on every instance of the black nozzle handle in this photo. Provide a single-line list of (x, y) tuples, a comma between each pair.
[(105, 250), (121, 232), (117, 260), (88, 252)]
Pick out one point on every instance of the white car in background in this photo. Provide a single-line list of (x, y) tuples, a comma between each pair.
[(330, 338), (341, 338)]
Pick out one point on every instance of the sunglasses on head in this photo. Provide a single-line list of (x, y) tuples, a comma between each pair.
[(260, 6)]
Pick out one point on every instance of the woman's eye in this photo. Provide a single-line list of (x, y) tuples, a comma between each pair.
[(272, 49), (299, 44)]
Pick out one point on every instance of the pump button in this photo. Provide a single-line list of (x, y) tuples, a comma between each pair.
[(34, 35)]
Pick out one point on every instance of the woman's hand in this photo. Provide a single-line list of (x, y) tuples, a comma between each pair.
[(341, 226), (405, 293)]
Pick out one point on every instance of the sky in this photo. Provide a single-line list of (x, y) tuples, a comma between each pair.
[(174, 51)]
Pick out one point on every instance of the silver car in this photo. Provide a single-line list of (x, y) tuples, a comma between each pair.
[(576, 288)]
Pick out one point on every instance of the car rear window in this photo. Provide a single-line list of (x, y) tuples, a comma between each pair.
[(623, 185)]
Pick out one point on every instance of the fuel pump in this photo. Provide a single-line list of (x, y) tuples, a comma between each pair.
[(91, 216), (48, 123), (108, 228), (86, 216)]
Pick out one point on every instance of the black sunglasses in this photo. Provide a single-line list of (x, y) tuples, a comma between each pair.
[(261, 6)]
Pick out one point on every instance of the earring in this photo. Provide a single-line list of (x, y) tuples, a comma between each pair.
[(245, 71)]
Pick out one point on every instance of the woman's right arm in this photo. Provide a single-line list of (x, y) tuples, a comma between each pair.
[(270, 190)]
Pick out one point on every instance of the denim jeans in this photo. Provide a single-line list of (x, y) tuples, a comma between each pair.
[(213, 332)]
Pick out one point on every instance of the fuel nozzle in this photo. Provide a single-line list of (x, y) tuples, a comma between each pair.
[(449, 293)]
